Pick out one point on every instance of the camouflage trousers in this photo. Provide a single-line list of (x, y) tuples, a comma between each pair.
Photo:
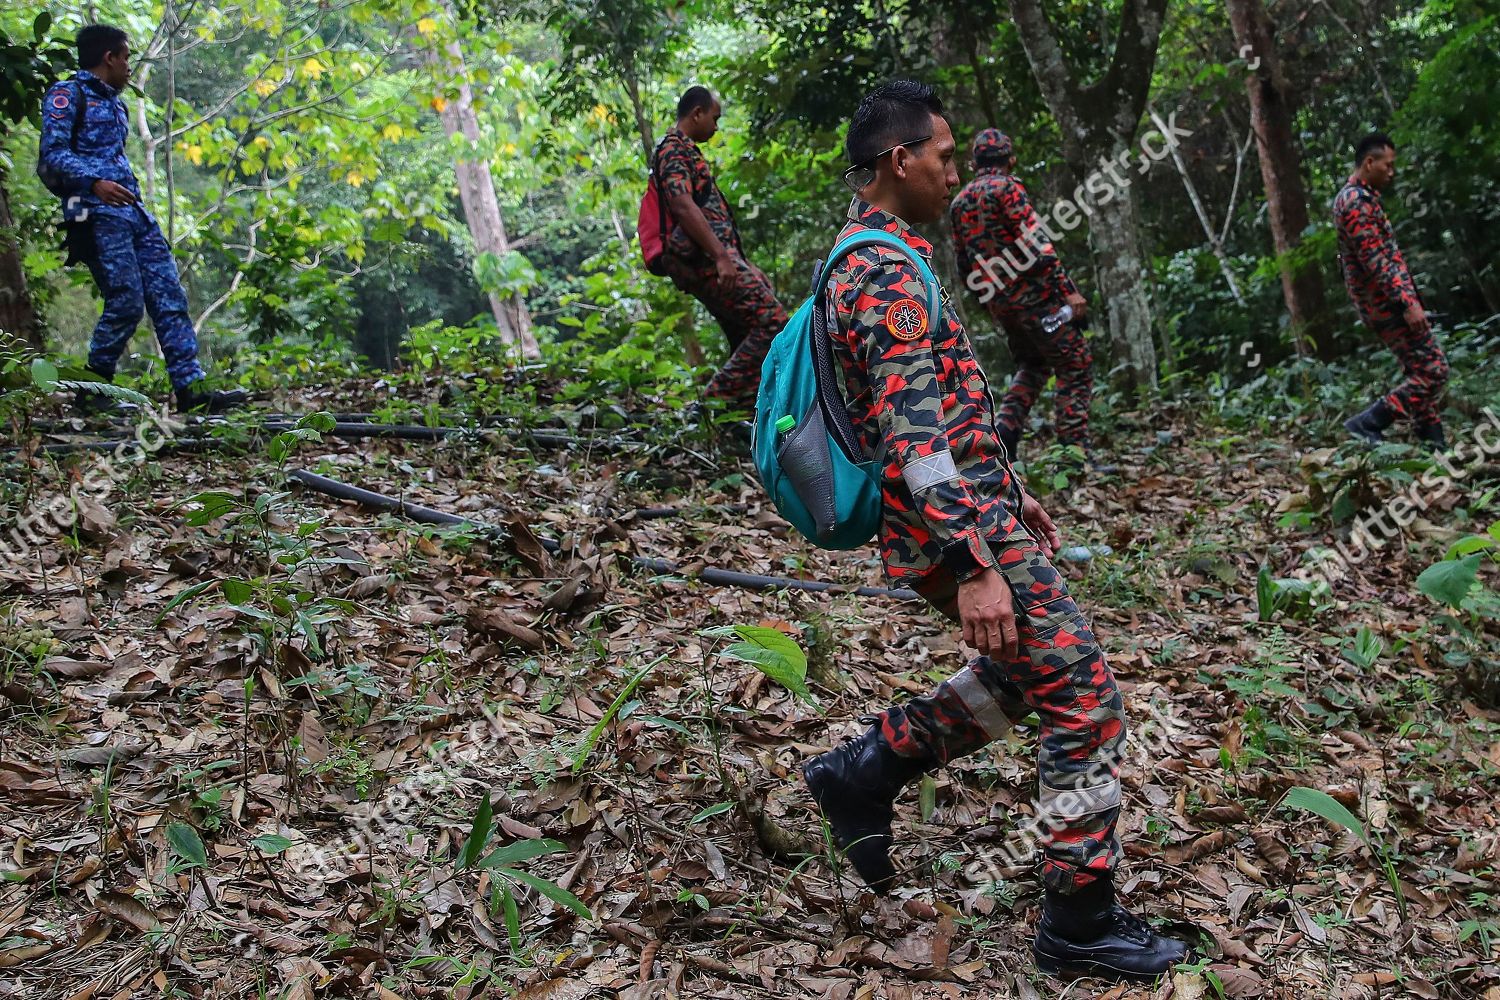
[(749, 313), (1423, 365), (1061, 675), (135, 272), (1039, 355)]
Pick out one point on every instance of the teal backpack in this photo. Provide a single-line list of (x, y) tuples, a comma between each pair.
[(805, 447)]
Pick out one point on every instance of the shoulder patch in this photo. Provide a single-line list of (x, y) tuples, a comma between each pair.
[(60, 101), (906, 319)]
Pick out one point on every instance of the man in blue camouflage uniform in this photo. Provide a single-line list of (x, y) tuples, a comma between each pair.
[(958, 528), (84, 128)]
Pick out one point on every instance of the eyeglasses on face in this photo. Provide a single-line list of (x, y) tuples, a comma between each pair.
[(862, 174)]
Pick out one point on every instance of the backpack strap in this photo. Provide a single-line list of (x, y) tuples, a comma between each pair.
[(879, 237), (829, 377), (79, 103)]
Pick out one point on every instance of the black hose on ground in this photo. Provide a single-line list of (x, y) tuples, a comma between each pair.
[(709, 574), (351, 431)]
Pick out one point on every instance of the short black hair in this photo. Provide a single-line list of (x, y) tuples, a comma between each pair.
[(894, 112), (95, 41), (1372, 143), (692, 99)]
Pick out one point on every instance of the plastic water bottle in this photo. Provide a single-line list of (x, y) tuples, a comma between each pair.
[(1083, 553), (1057, 319)]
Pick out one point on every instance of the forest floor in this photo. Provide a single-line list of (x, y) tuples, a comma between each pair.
[(251, 761)]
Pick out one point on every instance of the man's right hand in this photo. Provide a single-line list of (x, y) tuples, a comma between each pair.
[(726, 270), (984, 607), (112, 194), (1416, 319)]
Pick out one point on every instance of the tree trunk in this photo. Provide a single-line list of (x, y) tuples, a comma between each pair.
[(642, 120), (1122, 284), (1271, 109), (1098, 123), (476, 189), (17, 313)]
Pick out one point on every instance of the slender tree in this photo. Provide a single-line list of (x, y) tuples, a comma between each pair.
[(1098, 122), (1272, 105), (476, 190)]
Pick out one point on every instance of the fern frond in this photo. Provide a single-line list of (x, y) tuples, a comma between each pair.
[(115, 392)]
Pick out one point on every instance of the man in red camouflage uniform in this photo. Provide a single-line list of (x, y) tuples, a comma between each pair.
[(1011, 265), (1387, 299), (703, 255), (958, 528)]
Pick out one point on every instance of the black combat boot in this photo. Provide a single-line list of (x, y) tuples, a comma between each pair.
[(856, 787), (1432, 438), (192, 398), (1370, 423), (1086, 933)]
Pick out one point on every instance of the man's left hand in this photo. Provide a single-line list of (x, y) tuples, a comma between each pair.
[(1079, 303), (1040, 524)]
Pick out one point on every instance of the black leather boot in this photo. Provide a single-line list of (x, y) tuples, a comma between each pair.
[(1370, 423), (1432, 438), (1087, 933), (192, 398), (855, 785)]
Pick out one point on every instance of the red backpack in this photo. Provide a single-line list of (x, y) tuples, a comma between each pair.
[(654, 222)]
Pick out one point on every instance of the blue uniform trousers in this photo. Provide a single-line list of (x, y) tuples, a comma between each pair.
[(136, 274)]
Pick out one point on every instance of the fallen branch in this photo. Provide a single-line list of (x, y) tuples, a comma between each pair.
[(709, 574)]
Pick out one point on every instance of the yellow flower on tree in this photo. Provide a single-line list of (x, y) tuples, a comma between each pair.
[(312, 68), (393, 132), (426, 26), (264, 88)]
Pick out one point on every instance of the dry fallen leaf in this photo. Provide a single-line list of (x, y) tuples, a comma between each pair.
[(128, 910)]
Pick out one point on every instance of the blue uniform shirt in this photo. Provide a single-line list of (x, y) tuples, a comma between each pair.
[(98, 151)]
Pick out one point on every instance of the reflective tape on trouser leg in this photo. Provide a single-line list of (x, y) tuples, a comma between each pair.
[(1082, 801), (980, 703)]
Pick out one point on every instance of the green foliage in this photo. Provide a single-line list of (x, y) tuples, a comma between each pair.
[(502, 862), (187, 845), (592, 737), (1322, 804), (1296, 598), (28, 66), (1450, 580), (772, 652)]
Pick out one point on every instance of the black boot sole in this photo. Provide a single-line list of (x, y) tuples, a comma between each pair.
[(1091, 970)]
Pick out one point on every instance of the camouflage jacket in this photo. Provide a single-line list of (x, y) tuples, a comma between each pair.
[(920, 403), (993, 218), (1374, 270), (97, 152), (682, 169)]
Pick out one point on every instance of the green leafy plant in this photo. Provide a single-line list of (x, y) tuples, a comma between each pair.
[(1367, 648), (772, 652), (1295, 598), (501, 864), (1322, 804)]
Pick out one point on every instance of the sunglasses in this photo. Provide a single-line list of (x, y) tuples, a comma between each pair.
[(862, 174)]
